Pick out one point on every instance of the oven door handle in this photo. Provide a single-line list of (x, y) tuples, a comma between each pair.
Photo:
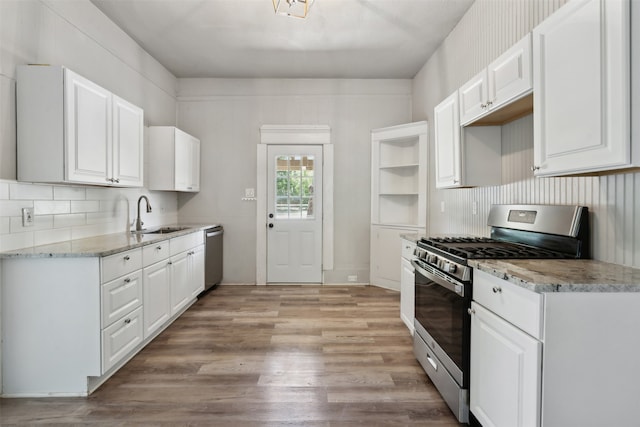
[(453, 287)]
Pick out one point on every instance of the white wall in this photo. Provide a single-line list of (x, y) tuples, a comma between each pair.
[(486, 30), (226, 114), (76, 34)]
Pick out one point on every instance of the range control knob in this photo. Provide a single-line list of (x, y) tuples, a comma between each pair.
[(432, 259), (451, 268)]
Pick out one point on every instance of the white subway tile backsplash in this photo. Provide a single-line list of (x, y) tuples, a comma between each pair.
[(96, 193), (14, 207), (40, 222), (45, 237), (20, 191), (42, 207), (4, 191), (84, 206), (69, 220), (9, 242), (5, 225), (69, 193)]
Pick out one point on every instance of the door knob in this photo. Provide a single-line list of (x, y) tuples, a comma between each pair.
[(270, 225)]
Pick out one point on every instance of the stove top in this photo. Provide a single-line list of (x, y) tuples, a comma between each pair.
[(484, 247)]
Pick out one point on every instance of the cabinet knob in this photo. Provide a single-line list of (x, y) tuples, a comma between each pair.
[(127, 280), (158, 248), (169, 263), (116, 180), (127, 321), (489, 103), (456, 181), (109, 179), (535, 168), (497, 289), (483, 106), (471, 311), (127, 258)]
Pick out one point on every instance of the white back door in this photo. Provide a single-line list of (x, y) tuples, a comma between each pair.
[(294, 210)]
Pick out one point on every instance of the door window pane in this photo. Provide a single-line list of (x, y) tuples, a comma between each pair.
[(294, 187)]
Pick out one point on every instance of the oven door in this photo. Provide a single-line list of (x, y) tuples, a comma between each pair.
[(441, 318)]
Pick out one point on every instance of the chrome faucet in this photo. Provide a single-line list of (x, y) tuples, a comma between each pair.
[(139, 222)]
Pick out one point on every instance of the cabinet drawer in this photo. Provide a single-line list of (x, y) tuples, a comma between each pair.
[(120, 338), (121, 296), (183, 243), (516, 305), (122, 263), (155, 252), (407, 249)]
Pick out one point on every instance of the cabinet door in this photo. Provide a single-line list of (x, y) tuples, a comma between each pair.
[(180, 289), (407, 296), (157, 296), (581, 86), (196, 271), (509, 76), (87, 130), (128, 143), (473, 98), (187, 162), (120, 338), (505, 372), (447, 142)]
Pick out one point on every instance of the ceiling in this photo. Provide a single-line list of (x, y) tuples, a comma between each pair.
[(245, 38)]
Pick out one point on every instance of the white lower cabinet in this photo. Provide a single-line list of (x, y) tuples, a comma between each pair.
[(407, 284), (120, 338), (71, 322), (553, 359), (157, 296), (505, 372)]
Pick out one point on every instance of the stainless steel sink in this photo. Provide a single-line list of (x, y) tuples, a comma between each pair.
[(161, 230)]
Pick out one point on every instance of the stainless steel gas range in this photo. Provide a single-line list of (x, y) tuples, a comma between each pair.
[(444, 283)]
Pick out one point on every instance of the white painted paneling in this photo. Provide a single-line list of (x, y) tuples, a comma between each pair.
[(489, 28)]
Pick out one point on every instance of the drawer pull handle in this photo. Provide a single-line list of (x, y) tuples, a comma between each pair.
[(497, 289), (169, 263), (127, 258), (159, 248), (432, 362), (127, 321), (127, 280)]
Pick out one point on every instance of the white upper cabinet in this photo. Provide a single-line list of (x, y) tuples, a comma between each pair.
[(446, 121), (582, 89), (465, 157), (505, 80), (70, 130), (128, 158), (174, 160)]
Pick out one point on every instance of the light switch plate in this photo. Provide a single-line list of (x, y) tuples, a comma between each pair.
[(27, 217)]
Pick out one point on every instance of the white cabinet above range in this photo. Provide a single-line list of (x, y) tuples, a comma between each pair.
[(174, 163), (70, 130), (505, 80)]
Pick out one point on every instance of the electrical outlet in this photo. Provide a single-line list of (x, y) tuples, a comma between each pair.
[(27, 217), (352, 278), (249, 193)]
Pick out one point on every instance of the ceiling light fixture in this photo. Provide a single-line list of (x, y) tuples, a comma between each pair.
[(295, 8)]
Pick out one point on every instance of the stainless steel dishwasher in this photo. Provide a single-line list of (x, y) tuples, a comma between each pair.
[(213, 257)]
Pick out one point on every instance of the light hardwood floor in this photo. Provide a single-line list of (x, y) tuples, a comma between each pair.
[(264, 356)]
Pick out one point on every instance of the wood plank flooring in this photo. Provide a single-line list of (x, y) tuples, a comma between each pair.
[(264, 356)]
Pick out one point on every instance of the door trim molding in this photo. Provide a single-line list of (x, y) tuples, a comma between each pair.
[(294, 135)]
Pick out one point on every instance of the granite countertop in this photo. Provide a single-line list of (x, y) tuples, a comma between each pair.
[(98, 246), (580, 275)]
